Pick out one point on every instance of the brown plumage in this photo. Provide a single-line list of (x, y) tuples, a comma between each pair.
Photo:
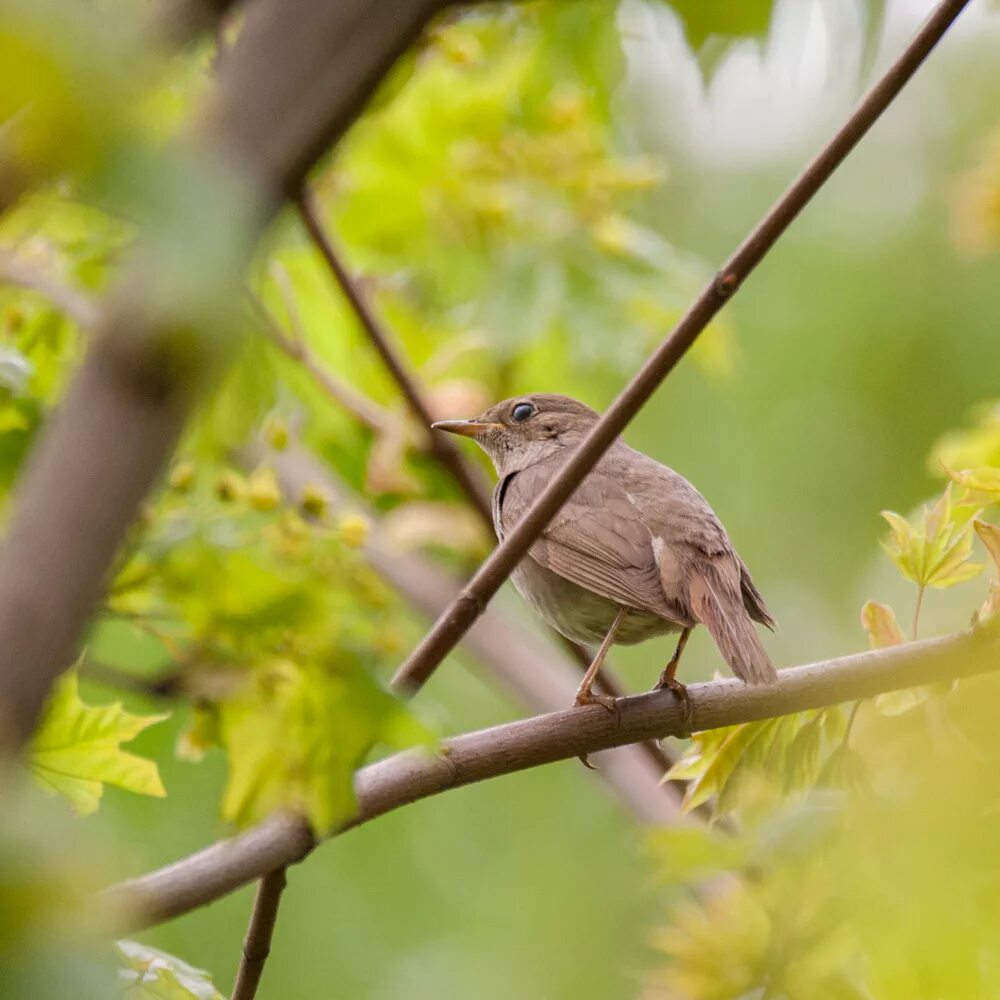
[(635, 552)]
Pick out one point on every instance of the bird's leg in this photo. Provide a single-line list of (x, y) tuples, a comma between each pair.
[(584, 695), (668, 678)]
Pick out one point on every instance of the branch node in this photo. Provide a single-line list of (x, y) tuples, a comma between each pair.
[(726, 283)]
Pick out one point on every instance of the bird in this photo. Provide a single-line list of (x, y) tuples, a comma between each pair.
[(635, 552)]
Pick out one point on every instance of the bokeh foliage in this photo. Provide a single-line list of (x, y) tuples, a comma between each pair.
[(516, 229)]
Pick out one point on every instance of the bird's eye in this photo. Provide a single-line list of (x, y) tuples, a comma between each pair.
[(521, 412)]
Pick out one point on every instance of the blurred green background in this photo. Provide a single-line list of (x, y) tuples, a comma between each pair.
[(872, 327)]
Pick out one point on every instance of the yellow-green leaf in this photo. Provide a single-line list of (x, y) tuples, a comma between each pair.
[(933, 549), (989, 535), (982, 485), (76, 749), (295, 736)]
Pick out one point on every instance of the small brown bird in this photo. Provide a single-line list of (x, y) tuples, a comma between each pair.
[(634, 553)]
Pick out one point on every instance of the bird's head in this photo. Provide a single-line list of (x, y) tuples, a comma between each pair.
[(525, 430)]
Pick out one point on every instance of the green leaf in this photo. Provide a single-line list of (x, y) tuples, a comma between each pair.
[(703, 19), (295, 735), (76, 749), (933, 549), (151, 974), (690, 853), (802, 763)]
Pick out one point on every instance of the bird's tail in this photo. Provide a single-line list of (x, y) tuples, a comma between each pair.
[(717, 602)]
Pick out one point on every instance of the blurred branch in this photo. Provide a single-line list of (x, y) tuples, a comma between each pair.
[(257, 944), (298, 75), (76, 305), (439, 445), (363, 409), (530, 668), (464, 610), (407, 777)]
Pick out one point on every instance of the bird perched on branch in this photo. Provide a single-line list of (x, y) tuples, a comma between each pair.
[(634, 553)]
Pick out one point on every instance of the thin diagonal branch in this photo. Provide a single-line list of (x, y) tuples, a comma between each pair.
[(407, 777), (257, 944), (363, 409), (439, 445), (484, 584), (75, 304)]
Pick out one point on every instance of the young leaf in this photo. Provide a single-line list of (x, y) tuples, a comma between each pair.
[(989, 535), (151, 974), (933, 550), (879, 621), (982, 486), (76, 749)]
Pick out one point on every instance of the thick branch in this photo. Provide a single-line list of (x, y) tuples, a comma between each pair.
[(257, 944), (439, 445), (299, 74), (462, 612), (490, 753)]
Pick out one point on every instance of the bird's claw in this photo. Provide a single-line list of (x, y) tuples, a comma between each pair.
[(680, 692), (606, 701)]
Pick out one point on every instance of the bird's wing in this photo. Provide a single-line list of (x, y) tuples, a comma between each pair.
[(597, 540)]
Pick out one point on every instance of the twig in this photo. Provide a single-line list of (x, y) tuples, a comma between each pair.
[(75, 304), (440, 446), (257, 944), (407, 777), (363, 409), (916, 610), (484, 584)]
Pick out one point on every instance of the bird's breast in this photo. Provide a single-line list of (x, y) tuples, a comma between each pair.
[(578, 613)]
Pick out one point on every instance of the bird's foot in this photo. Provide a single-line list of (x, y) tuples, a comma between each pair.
[(668, 682), (589, 698), (607, 702)]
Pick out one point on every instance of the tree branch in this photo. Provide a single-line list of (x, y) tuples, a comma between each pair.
[(297, 77), (407, 777), (462, 612), (257, 944), (363, 409), (75, 304), (439, 445)]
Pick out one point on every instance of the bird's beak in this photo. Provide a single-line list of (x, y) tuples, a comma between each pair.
[(467, 428)]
